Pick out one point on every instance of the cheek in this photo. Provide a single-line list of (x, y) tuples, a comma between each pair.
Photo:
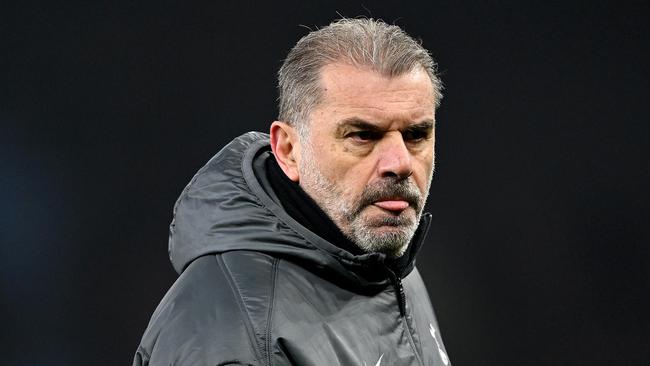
[(423, 171), (333, 160), (350, 176), (326, 159)]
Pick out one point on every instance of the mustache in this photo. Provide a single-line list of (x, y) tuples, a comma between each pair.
[(391, 189)]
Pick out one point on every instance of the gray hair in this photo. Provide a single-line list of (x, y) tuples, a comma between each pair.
[(363, 42)]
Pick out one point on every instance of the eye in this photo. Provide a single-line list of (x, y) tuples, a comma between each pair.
[(364, 136), (415, 135)]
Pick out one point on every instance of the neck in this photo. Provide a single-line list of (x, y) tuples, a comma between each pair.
[(305, 210)]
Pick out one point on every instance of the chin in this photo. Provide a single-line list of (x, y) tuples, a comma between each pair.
[(387, 239), (393, 249), (387, 220)]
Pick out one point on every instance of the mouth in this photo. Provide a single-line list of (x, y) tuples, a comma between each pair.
[(394, 198), (393, 204)]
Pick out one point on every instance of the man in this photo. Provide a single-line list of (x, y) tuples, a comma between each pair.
[(298, 248)]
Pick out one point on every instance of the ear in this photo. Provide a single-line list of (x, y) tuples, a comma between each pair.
[(286, 148)]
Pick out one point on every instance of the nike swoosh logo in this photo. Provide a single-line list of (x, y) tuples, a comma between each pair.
[(378, 361)]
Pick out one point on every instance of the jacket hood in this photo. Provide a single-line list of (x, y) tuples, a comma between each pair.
[(225, 207)]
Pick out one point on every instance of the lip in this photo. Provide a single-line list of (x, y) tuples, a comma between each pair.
[(395, 205)]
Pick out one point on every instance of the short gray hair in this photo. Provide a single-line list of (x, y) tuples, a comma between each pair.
[(363, 42)]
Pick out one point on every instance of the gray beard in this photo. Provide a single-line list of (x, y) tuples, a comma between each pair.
[(347, 213)]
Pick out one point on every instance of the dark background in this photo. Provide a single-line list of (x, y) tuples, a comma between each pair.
[(540, 250)]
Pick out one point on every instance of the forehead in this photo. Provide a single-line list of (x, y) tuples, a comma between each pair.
[(350, 91)]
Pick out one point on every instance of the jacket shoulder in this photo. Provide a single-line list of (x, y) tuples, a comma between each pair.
[(215, 313)]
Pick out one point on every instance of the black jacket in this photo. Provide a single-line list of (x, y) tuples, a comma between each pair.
[(258, 288)]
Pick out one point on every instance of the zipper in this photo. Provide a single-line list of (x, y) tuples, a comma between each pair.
[(425, 223), (401, 302), (399, 288), (399, 292)]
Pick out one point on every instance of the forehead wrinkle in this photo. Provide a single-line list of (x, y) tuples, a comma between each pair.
[(405, 101), (405, 95), (384, 115)]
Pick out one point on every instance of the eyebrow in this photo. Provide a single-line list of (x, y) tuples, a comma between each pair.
[(425, 125), (357, 123), (368, 126)]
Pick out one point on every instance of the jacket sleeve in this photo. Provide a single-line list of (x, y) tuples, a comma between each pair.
[(199, 322), (141, 359)]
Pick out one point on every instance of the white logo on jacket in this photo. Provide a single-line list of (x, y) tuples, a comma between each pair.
[(378, 361), (443, 355)]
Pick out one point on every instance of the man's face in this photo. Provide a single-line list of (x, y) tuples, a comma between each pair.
[(368, 157)]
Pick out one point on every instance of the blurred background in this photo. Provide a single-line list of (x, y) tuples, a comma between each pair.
[(540, 249)]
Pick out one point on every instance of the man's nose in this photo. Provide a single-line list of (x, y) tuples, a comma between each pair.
[(394, 157)]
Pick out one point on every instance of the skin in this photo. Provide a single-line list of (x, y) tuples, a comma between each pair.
[(368, 135)]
